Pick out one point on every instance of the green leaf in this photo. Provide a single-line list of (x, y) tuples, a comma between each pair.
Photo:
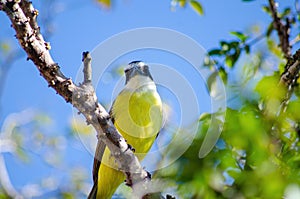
[(67, 195), (274, 48), (241, 36), (224, 45), (182, 3), (5, 47), (286, 12), (235, 173), (22, 154), (247, 49), (105, 3), (229, 61), (270, 29), (293, 109), (215, 52), (207, 61), (223, 74), (211, 81), (4, 195), (197, 7), (266, 9), (211, 63), (204, 116), (234, 44), (268, 87)]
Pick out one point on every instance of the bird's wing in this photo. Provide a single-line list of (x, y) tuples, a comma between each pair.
[(99, 151), (93, 193), (97, 162), (97, 159)]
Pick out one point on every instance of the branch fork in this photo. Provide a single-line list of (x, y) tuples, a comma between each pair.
[(23, 18)]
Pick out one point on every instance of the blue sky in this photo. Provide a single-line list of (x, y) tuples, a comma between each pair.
[(82, 25)]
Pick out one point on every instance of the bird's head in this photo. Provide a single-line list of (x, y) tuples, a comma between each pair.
[(137, 68)]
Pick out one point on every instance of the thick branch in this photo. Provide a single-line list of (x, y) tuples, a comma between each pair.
[(289, 78), (23, 18), (283, 30), (291, 73)]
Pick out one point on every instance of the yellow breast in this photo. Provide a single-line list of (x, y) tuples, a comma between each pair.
[(138, 117)]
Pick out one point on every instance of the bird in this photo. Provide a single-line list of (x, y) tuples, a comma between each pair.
[(137, 115)]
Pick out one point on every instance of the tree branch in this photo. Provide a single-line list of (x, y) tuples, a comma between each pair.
[(289, 78), (283, 30), (83, 97), (291, 73)]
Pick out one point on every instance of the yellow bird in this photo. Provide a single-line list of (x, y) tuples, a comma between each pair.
[(137, 114)]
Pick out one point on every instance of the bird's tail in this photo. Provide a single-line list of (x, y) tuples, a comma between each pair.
[(93, 193)]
